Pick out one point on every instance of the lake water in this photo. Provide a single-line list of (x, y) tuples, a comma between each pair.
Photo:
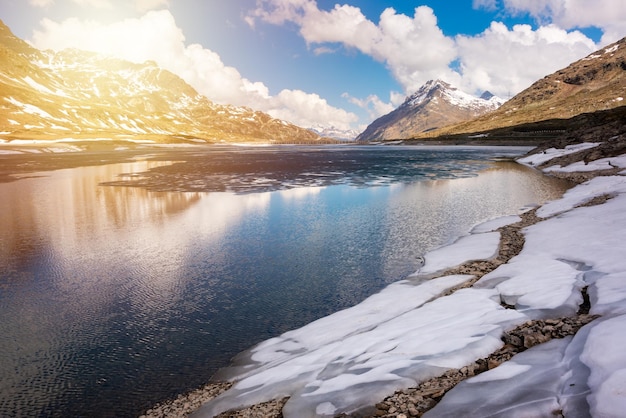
[(121, 287)]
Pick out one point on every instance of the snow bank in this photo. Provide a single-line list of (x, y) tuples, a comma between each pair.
[(530, 385), (328, 368), (406, 333), (550, 153), (494, 224), (597, 165), (471, 247)]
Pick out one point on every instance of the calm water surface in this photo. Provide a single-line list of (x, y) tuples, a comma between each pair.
[(119, 295)]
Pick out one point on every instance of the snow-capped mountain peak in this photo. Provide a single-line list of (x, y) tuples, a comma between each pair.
[(335, 133), (434, 105), (438, 89)]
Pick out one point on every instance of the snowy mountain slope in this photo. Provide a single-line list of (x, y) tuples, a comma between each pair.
[(435, 104), (80, 95), (335, 133), (594, 83)]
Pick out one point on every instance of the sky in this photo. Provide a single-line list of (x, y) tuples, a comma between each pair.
[(321, 63)]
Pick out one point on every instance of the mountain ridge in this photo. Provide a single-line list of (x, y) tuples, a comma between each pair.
[(594, 83), (432, 106), (78, 95)]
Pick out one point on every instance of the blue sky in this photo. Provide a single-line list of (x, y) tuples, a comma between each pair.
[(329, 63)]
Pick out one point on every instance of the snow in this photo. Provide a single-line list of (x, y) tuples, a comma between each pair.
[(547, 155), (604, 355), (347, 370), (408, 333), (494, 224), (28, 108), (453, 96), (37, 86), (471, 247), (580, 166), (529, 385), (598, 186)]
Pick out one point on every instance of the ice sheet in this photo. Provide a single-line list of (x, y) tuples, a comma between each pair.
[(471, 247), (579, 376), (547, 155), (598, 186), (604, 355), (348, 373), (580, 166), (529, 385)]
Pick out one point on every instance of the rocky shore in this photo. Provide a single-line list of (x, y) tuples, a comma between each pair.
[(414, 402)]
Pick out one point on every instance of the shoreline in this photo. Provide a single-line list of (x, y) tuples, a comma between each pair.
[(426, 395), (416, 401)]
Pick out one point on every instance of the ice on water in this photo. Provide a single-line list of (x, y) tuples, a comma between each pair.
[(408, 332)]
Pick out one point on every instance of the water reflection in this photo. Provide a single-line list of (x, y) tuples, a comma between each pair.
[(114, 298)]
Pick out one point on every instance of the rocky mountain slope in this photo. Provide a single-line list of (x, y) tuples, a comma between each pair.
[(594, 83), (79, 95), (434, 105)]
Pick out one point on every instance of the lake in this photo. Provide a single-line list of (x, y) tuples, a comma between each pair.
[(127, 282)]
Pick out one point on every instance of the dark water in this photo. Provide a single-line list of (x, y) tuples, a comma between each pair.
[(113, 298)]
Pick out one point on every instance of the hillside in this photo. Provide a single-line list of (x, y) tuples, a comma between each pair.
[(594, 83), (79, 96), (434, 105)]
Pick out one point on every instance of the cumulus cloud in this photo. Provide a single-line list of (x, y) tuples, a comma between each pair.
[(41, 3), (505, 61), (145, 5), (501, 60), (155, 36), (99, 4), (308, 109), (608, 15), (374, 106), (414, 48), (140, 5)]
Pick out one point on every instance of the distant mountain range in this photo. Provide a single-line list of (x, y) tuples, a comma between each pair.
[(594, 83), (83, 96), (336, 133), (436, 104)]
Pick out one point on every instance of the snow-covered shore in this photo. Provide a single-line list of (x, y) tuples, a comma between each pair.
[(421, 327)]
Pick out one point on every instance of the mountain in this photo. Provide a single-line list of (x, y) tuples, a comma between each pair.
[(80, 95), (594, 83), (434, 105), (335, 133)]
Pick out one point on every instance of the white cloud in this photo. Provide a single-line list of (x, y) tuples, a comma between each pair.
[(41, 3), (608, 15), (485, 4), (501, 60), (374, 106), (414, 48), (100, 4), (145, 5), (506, 61), (307, 109), (155, 36)]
